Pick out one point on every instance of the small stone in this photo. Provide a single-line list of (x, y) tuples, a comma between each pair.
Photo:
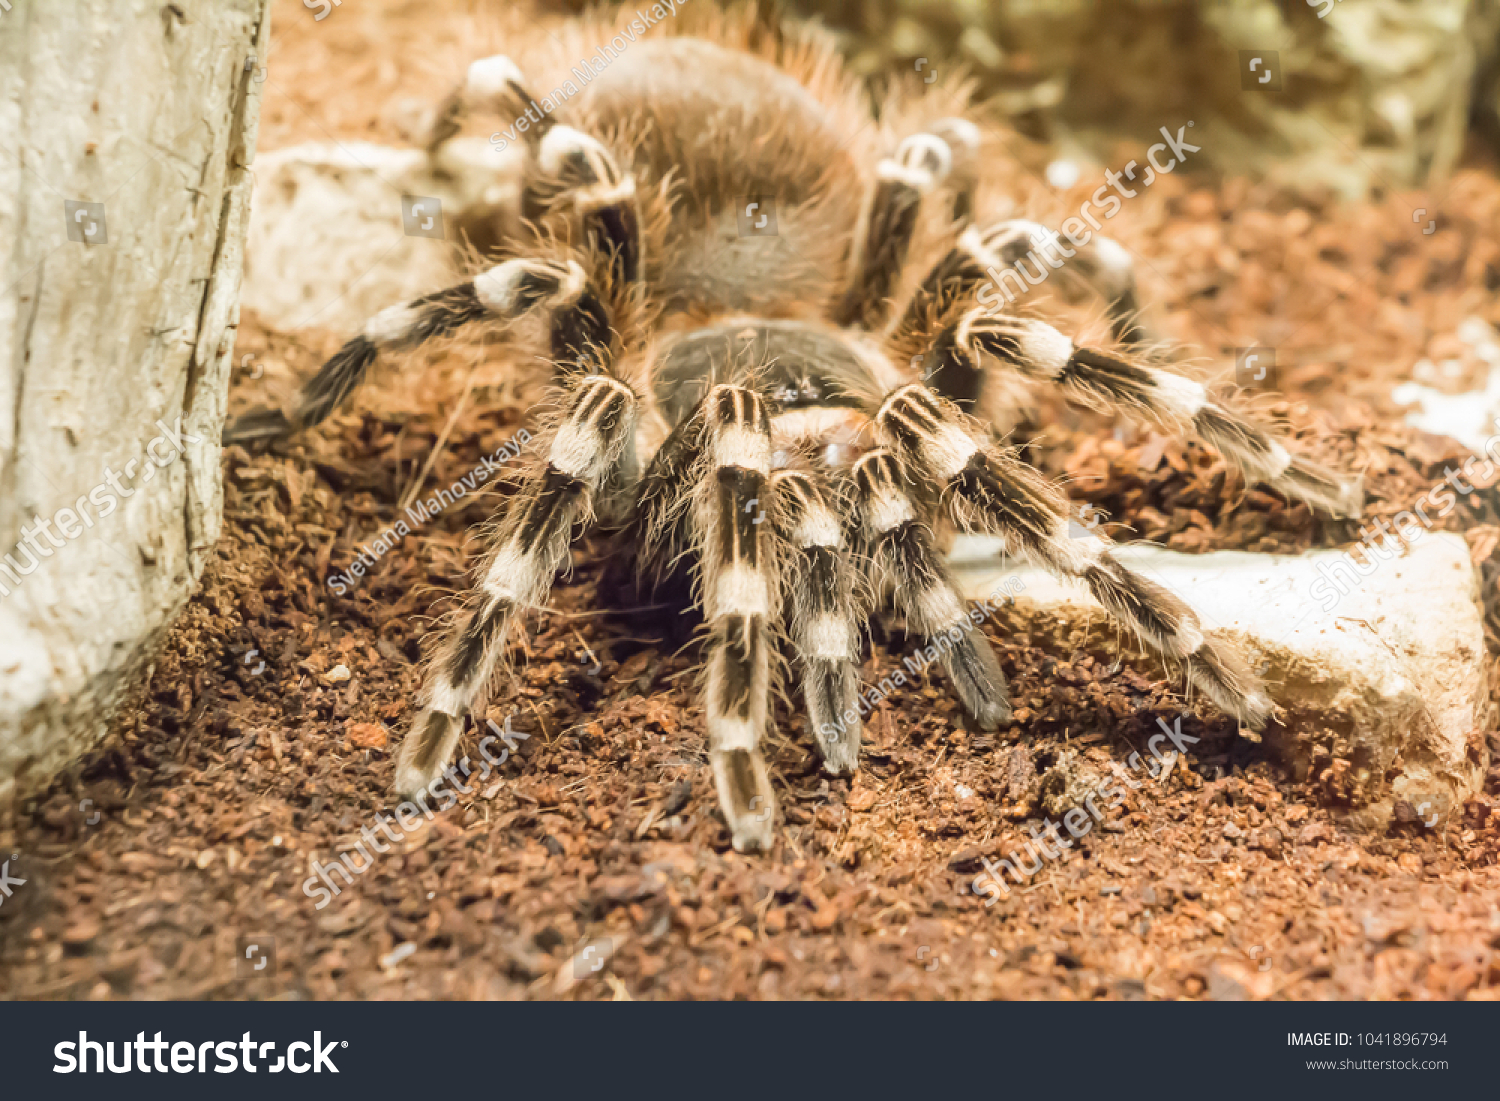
[(337, 675), (340, 923), (965, 860), (81, 932), (1314, 832), (622, 888), (366, 735), (397, 954), (1268, 840)]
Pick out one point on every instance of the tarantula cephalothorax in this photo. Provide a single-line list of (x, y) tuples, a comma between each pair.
[(711, 381)]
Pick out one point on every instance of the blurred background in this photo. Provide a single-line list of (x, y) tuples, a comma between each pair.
[(1370, 93)]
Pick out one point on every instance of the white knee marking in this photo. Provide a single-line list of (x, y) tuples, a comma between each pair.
[(940, 609), (578, 450), (391, 324), (1277, 461), (1045, 347), (914, 176), (605, 194), (888, 509), (1113, 257), (959, 132), (561, 142), (573, 285), (1038, 234), (948, 451), (510, 576), (1189, 637), (927, 151), (828, 637), (818, 527), (1076, 552), (446, 698), (972, 242), (1267, 467), (1091, 550), (1183, 396), (921, 162), (725, 733), (736, 445), (740, 589), (496, 287), (490, 77)]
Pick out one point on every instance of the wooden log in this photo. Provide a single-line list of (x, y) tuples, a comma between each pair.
[(126, 131)]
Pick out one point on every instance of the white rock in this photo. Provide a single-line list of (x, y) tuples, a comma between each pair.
[(1386, 671), (327, 248), (1470, 418)]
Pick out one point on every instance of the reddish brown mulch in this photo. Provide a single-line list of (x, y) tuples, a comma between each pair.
[(1224, 880)]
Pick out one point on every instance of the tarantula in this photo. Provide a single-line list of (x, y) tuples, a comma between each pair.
[(754, 408)]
